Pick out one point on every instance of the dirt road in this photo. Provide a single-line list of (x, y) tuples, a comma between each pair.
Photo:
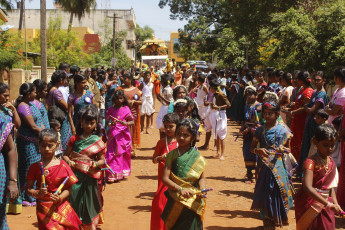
[(128, 203)]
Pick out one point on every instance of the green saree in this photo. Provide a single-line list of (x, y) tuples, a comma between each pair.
[(182, 213), (85, 198)]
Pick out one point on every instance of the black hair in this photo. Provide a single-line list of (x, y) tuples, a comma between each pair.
[(177, 89), (63, 66), (128, 75), (57, 76), (279, 73), (234, 77), (101, 78), (304, 76), (340, 73), (272, 105), (249, 76), (165, 78), (119, 93), (171, 117), (214, 83), (88, 113), (54, 123), (269, 69), (201, 77), (3, 88), (337, 121), (194, 114), (325, 132), (270, 74), (74, 69), (322, 113), (319, 73), (191, 126), (287, 77), (181, 104), (211, 77), (24, 90), (147, 72), (77, 79), (48, 133), (40, 85)]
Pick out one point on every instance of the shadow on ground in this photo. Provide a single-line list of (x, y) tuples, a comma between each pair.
[(146, 177), (146, 195), (248, 195), (224, 178), (140, 208), (238, 214)]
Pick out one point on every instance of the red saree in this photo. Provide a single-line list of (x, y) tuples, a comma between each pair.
[(50, 215), (159, 201), (341, 186), (298, 122), (310, 214)]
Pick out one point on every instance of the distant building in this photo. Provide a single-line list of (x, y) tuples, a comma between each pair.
[(172, 47), (97, 22)]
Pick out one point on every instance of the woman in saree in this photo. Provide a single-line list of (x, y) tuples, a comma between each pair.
[(133, 95), (316, 202), (55, 97), (336, 105), (27, 139), (8, 170), (78, 100), (272, 195), (53, 209), (184, 176), (41, 94), (8, 112), (317, 101), (299, 114), (111, 85), (85, 155), (118, 154)]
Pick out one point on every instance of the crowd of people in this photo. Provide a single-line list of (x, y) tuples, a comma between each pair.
[(63, 140)]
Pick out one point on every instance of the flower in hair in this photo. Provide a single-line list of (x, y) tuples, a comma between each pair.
[(180, 101)]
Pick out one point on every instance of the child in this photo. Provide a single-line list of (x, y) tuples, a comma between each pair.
[(118, 153), (179, 92), (165, 97), (163, 147), (272, 195), (102, 105), (316, 202), (184, 176), (218, 117), (252, 111), (201, 94), (85, 154), (147, 108), (55, 124), (181, 108), (53, 209), (320, 118)]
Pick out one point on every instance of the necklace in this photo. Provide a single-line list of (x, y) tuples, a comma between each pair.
[(275, 135), (323, 162)]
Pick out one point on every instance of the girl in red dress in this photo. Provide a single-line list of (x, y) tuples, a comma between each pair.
[(163, 147)]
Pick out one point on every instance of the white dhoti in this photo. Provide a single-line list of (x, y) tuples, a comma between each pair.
[(162, 112), (207, 121), (147, 106), (219, 123)]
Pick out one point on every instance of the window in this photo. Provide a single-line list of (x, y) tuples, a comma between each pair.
[(176, 46)]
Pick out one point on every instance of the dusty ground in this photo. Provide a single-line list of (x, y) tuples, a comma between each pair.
[(128, 203)]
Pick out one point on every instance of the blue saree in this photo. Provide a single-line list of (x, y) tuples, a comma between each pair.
[(273, 194)]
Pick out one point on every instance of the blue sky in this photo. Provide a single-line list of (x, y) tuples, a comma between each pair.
[(147, 12)]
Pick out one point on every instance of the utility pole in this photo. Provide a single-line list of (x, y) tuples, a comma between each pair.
[(43, 41), (114, 31)]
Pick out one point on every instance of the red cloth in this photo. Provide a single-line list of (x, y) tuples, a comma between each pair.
[(341, 184), (298, 122), (49, 215), (321, 180), (159, 200)]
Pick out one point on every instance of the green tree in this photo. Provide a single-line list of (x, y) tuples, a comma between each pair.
[(303, 39), (6, 4), (142, 34), (62, 46), (76, 8)]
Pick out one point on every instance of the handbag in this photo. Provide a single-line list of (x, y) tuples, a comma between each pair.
[(56, 112)]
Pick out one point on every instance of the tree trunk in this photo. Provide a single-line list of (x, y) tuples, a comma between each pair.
[(70, 23), (43, 41), (21, 15)]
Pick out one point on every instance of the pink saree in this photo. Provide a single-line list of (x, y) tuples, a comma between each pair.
[(118, 155), (310, 214)]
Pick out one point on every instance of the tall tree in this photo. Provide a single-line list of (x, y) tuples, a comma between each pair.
[(76, 8)]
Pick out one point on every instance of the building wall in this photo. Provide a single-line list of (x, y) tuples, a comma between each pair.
[(95, 21), (172, 54)]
